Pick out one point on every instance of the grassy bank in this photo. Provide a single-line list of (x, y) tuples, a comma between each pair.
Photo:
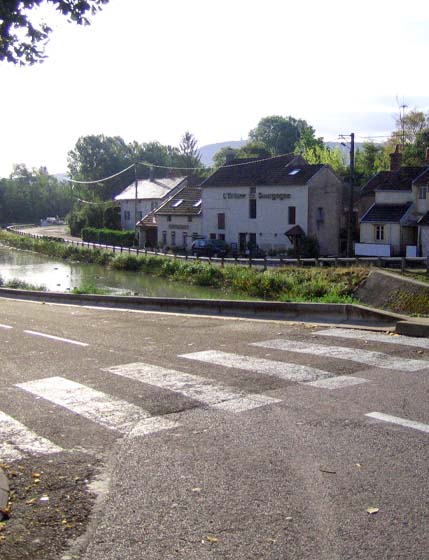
[(329, 285)]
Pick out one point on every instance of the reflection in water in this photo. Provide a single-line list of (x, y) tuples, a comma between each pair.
[(59, 276)]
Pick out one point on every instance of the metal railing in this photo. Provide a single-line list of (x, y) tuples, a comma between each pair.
[(399, 263)]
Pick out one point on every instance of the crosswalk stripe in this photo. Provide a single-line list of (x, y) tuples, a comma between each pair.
[(375, 359), (357, 334), (399, 421), (287, 371), (192, 386), (338, 382), (18, 440), (115, 414), (58, 338)]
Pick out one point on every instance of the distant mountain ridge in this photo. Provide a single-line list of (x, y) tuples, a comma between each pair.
[(207, 152)]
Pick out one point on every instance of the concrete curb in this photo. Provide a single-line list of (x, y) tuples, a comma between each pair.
[(413, 328), (4, 492), (305, 312)]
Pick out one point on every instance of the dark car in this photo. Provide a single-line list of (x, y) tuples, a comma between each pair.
[(209, 248)]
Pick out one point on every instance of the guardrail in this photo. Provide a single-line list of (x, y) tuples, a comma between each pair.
[(264, 263)]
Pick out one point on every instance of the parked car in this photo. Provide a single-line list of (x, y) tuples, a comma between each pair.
[(209, 248)]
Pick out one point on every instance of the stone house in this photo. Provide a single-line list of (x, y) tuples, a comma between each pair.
[(396, 221), (272, 203), (136, 201)]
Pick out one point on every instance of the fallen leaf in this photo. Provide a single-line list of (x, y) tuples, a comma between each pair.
[(372, 510), (212, 539)]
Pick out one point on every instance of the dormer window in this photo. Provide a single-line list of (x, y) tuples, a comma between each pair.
[(294, 171), (177, 203), (197, 204)]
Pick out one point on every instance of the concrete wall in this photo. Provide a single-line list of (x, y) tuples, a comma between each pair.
[(271, 221), (393, 197), (325, 192), (143, 208), (424, 241), (392, 236), (179, 225)]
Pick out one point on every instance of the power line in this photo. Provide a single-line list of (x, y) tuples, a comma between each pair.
[(99, 180)]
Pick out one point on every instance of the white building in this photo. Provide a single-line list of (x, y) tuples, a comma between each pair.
[(397, 223), (176, 223), (136, 201), (272, 203)]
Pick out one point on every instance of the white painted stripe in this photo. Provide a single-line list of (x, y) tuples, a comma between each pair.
[(192, 386), (338, 382), (357, 334), (399, 421), (108, 411), (290, 372), (5, 326), (375, 359), (51, 336), (17, 440)]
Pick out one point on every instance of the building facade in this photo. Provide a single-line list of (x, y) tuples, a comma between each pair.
[(272, 204)]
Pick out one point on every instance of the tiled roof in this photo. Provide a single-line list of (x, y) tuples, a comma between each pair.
[(186, 202), (423, 178), (424, 220), (388, 213), (147, 189), (295, 231), (281, 170), (400, 180), (148, 221)]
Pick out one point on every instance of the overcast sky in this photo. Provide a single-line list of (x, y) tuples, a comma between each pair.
[(151, 69)]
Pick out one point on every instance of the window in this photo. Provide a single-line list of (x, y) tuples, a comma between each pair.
[(140, 214), (173, 238), (320, 216), (164, 238), (291, 215), (212, 236), (422, 193), (127, 215), (177, 203), (185, 238), (294, 171), (379, 233), (153, 205), (168, 218), (252, 192), (252, 208), (221, 236), (189, 218), (221, 221), (197, 204)]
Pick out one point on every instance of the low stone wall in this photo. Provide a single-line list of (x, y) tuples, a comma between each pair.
[(312, 312), (395, 293)]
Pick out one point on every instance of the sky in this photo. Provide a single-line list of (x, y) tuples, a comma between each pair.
[(151, 70)]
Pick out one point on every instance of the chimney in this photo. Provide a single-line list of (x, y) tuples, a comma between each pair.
[(229, 155), (427, 157), (395, 159)]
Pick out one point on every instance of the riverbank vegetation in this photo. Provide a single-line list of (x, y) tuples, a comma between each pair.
[(329, 285)]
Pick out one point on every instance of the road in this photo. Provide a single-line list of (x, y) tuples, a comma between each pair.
[(210, 438)]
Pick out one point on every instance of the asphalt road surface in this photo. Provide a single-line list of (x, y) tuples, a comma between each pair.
[(211, 438)]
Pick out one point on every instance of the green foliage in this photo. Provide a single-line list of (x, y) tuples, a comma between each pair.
[(108, 236), (22, 39), (89, 289), (281, 135), (27, 196), (17, 284), (369, 160), (327, 156), (308, 247), (285, 284)]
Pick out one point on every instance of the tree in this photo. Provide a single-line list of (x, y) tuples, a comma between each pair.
[(326, 156), (191, 157), (253, 149), (22, 40), (369, 160), (408, 126), (415, 154), (281, 135)]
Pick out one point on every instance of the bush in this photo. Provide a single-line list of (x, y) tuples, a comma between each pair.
[(108, 236)]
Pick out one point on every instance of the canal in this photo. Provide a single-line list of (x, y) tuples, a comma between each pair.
[(60, 276)]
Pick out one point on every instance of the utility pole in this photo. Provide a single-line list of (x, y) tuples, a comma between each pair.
[(135, 200), (350, 224)]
